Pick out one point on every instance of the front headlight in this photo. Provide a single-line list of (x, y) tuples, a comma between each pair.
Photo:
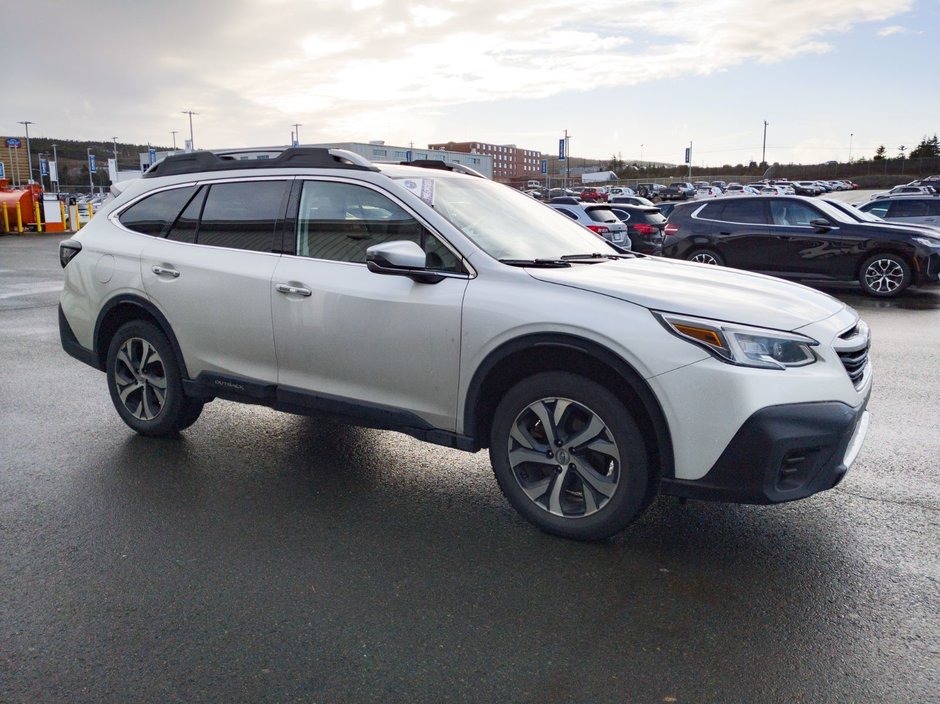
[(741, 344)]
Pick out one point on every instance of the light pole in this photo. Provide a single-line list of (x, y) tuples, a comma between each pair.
[(297, 127), (192, 142), (901, 149), (173, 132), (851, 134), (763, 154), (29, 155), (641, 153), (42, 183)]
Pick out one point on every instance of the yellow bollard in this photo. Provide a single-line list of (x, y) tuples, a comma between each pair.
[(38, 218), (19, 218), (76, 223), (6, 218), (91, 211), (62, 210)]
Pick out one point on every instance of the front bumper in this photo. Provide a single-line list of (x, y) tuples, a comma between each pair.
[(782, 453)]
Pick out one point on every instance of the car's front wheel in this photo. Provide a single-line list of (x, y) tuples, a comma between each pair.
[(885, 275), (569, 456), (145, 383)]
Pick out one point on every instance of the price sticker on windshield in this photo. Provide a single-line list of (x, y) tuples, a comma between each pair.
[(421, 187)]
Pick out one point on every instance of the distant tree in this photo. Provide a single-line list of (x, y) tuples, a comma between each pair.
[(616, 164), (927, 149), (879, 153)]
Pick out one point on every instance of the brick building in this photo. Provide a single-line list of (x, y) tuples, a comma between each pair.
[(510, 164)]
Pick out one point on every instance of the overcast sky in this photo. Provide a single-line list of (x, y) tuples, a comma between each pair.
[(827, 75)]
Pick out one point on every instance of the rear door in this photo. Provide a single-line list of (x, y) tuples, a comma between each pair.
[(922, 211), (211, 277), (740, 232)]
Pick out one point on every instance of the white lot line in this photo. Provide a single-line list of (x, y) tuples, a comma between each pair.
[(31, 289)]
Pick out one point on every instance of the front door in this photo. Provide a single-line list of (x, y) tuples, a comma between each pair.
[(359, 339)]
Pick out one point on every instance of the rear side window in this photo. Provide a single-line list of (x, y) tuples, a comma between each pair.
[(908, 208), (653, 217), (744, 211), (154, 214), (570, 214), (241, 215)]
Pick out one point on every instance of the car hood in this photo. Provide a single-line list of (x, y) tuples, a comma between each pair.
[(700, 290)]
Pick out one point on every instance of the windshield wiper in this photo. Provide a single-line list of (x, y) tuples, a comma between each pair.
[(595, 255), (543, 263)]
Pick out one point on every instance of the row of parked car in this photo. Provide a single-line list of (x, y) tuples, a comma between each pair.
[(886, 244)]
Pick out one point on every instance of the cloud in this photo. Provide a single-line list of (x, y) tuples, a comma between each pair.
[(351, 69), (893, 29)]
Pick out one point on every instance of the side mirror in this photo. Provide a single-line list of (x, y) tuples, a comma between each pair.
[(821, 224), (401, 258)]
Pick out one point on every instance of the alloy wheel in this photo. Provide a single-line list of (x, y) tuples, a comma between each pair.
[(704, 258), (140, 378), (884, 275), (564, 457)]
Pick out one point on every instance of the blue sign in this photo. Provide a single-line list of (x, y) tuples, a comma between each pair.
[(92, 165), (3, 170), (544, 166), (561, 149), (43, 167), (408, 155), (152, 155), (13, 143), (688, 155)]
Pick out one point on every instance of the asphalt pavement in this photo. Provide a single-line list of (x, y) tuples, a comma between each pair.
[(264, 557)]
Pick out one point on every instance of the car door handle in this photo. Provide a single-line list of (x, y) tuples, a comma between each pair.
[(287, 289), (160, 270)]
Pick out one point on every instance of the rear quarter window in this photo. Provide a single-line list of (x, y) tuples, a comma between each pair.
[(602, 215), (154, 214)]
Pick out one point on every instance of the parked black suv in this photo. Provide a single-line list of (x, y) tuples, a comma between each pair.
[(794, 237)]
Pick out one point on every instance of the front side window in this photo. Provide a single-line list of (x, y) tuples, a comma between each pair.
[(154, 214), (340, 221), (792, 213), (878, 208)]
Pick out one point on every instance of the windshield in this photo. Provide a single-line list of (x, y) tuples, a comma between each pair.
[(833, 212), (853, 212), (503, 222)]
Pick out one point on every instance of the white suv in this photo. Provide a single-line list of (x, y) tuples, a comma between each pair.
[(429, 300)]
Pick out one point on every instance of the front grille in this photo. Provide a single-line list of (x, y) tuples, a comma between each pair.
[(853, 347)]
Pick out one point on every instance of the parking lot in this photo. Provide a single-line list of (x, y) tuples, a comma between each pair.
[(269, 557)]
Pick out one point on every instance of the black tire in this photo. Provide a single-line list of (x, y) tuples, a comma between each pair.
[(706, 256), (884, 275), (596, 479), (144, 381)]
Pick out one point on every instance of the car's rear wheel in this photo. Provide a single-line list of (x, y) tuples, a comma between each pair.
[(145, 383), (885, 275), (569, 456), (706, 256)]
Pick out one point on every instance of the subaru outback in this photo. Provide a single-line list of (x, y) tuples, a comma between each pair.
[(425, 298)]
